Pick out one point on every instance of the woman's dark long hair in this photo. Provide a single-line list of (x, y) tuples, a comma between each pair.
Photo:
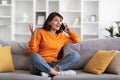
[(46, 25)]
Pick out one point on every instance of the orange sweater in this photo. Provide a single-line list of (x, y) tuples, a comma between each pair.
[(48, 45)]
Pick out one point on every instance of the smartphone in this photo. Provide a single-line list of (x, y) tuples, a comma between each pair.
[(62, 26)]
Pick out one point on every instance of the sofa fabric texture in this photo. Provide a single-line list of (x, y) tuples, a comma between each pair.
[(86, 48), (21, 75), (87, 76), (114, 66)]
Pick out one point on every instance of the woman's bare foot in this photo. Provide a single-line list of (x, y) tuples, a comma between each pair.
[(56, 68), (54, 72)]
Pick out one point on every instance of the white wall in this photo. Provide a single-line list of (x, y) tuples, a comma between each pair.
[(109, 12)]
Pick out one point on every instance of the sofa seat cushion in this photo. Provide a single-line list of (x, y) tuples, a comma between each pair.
[(21, 75), (87, 76)]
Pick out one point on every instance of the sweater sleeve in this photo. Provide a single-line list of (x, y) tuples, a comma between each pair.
[(72, 38), (34, 43)]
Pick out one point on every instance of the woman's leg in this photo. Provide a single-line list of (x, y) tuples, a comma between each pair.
[(68, 62), (38, 64)]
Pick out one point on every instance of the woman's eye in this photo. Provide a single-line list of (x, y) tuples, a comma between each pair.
[(56, 20)]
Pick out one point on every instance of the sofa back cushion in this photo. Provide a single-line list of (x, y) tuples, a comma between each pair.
[(20, 53), (114, 66), (87, 48)]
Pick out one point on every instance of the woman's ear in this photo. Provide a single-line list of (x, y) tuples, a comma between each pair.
[(49, 23)]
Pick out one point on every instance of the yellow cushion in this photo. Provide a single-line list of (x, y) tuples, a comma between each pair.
[(6, 64), (99, 62)]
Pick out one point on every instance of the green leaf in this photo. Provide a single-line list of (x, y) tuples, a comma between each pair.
[(110, 30)]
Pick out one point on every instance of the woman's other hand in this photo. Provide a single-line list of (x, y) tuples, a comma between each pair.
[(31, 29)]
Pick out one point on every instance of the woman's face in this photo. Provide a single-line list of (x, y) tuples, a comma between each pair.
[(56, 23)]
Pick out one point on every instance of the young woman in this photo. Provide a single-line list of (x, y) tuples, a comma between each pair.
[(45, 44)]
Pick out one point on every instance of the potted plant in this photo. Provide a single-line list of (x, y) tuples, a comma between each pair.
[(112, 32)]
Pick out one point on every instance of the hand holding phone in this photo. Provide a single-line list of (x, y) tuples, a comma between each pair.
[(63, 26)]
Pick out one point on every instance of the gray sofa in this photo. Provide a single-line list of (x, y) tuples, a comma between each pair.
[(86, 49)]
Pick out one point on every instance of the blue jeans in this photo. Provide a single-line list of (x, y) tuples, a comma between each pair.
[(38, 64)]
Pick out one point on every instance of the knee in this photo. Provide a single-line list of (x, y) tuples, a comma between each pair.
[(33, 57), (76, 56)]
